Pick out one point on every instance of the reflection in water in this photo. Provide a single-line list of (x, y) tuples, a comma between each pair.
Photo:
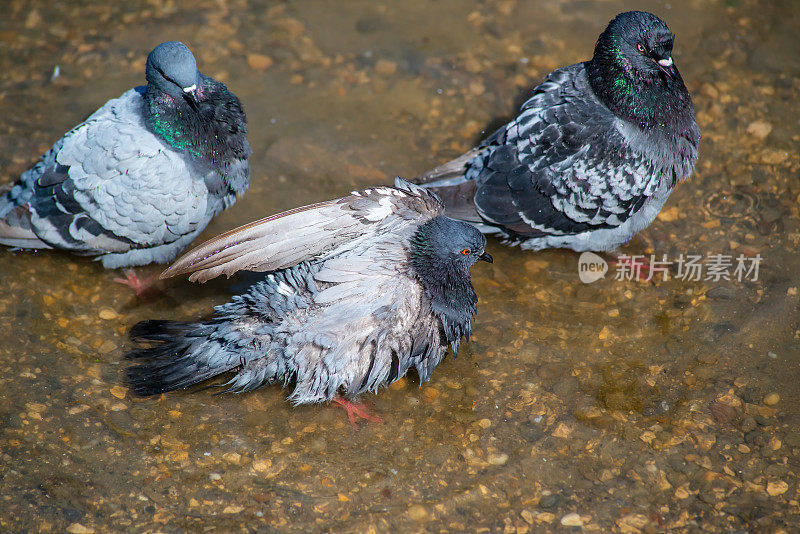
[(635, 406)]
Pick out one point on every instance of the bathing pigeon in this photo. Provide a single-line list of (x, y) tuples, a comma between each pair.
[(141, 177), (594, 153), (359, 290)]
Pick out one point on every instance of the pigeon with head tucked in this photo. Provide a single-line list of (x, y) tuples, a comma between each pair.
[(140, 178), (594, 153), (360, 289)]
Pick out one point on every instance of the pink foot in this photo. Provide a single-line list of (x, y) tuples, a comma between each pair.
[(142, 286), (355, 409)]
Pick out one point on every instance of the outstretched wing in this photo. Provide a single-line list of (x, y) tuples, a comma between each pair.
[(309, 232), (562, 166)]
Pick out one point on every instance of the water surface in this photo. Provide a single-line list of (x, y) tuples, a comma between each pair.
[(619, 405)]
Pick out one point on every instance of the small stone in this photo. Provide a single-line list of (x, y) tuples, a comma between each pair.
[(430, 394), (119, 392), (232, 509), (772, 399), (669, 214), (498, 459), (562, 431), (632, 522), (527, 516), (417, 512), (681, 493), (572, 520), (77, 528), (384, 67), (232, 457), (107, 314), (744, 449), (777, 487), (33, 19), (774, 157), (759, 129), (259, 61), (215, 477), (484, 423), (262, 465), (545, 517), (604, 332), (476, 88)]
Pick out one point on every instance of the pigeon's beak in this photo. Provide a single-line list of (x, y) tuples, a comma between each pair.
[(486, 257), (190, 95), (665, 65)]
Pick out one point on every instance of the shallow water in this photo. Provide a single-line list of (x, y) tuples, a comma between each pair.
[(618, 405)]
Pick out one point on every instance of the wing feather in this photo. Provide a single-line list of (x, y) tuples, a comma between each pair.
[(308, 232)]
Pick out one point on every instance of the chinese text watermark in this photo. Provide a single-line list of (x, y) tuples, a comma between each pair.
[(688, 267)]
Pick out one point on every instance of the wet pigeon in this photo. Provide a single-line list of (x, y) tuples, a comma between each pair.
[(359, 290), (140, 178), (594, 153)]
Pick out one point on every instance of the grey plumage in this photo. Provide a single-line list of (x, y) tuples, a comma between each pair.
[(140, 178), (360, 289), (593, 155)]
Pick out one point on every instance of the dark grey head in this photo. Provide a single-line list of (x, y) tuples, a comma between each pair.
[(171, 67), (442, 251), (447, 244), (639, 43), (632, 72)]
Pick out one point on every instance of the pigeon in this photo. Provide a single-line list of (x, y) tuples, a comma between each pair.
[(359, 290), (142, 176), (593, 155)]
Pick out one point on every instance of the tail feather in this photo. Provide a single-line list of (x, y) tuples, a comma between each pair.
[(183, 356)]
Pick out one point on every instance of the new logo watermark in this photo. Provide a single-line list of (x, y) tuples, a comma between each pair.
[(591, 267), (689, 267)]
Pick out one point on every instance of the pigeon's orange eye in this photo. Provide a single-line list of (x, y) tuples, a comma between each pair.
[(465, 252), (640, 48)]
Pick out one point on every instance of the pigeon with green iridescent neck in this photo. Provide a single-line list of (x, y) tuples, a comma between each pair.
[(142, 176), (593, 155), (360, 290)]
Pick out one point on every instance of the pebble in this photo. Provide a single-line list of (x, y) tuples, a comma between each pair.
[(232, 457), (107, 314), (498, 459), (215, 476), (772, 399), (77, 528), (384, 67), (759, 129), (259, 61), (417, 512), (232, 509), (262, 465), (572, 520), (527, 516), (484, 423), (777, 487)]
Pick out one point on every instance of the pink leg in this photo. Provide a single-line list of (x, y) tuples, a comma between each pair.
[(142, 286), (355, 409)]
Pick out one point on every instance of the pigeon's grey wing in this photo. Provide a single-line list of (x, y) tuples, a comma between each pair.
[(564, 166), (114, 186), (308, 232)]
